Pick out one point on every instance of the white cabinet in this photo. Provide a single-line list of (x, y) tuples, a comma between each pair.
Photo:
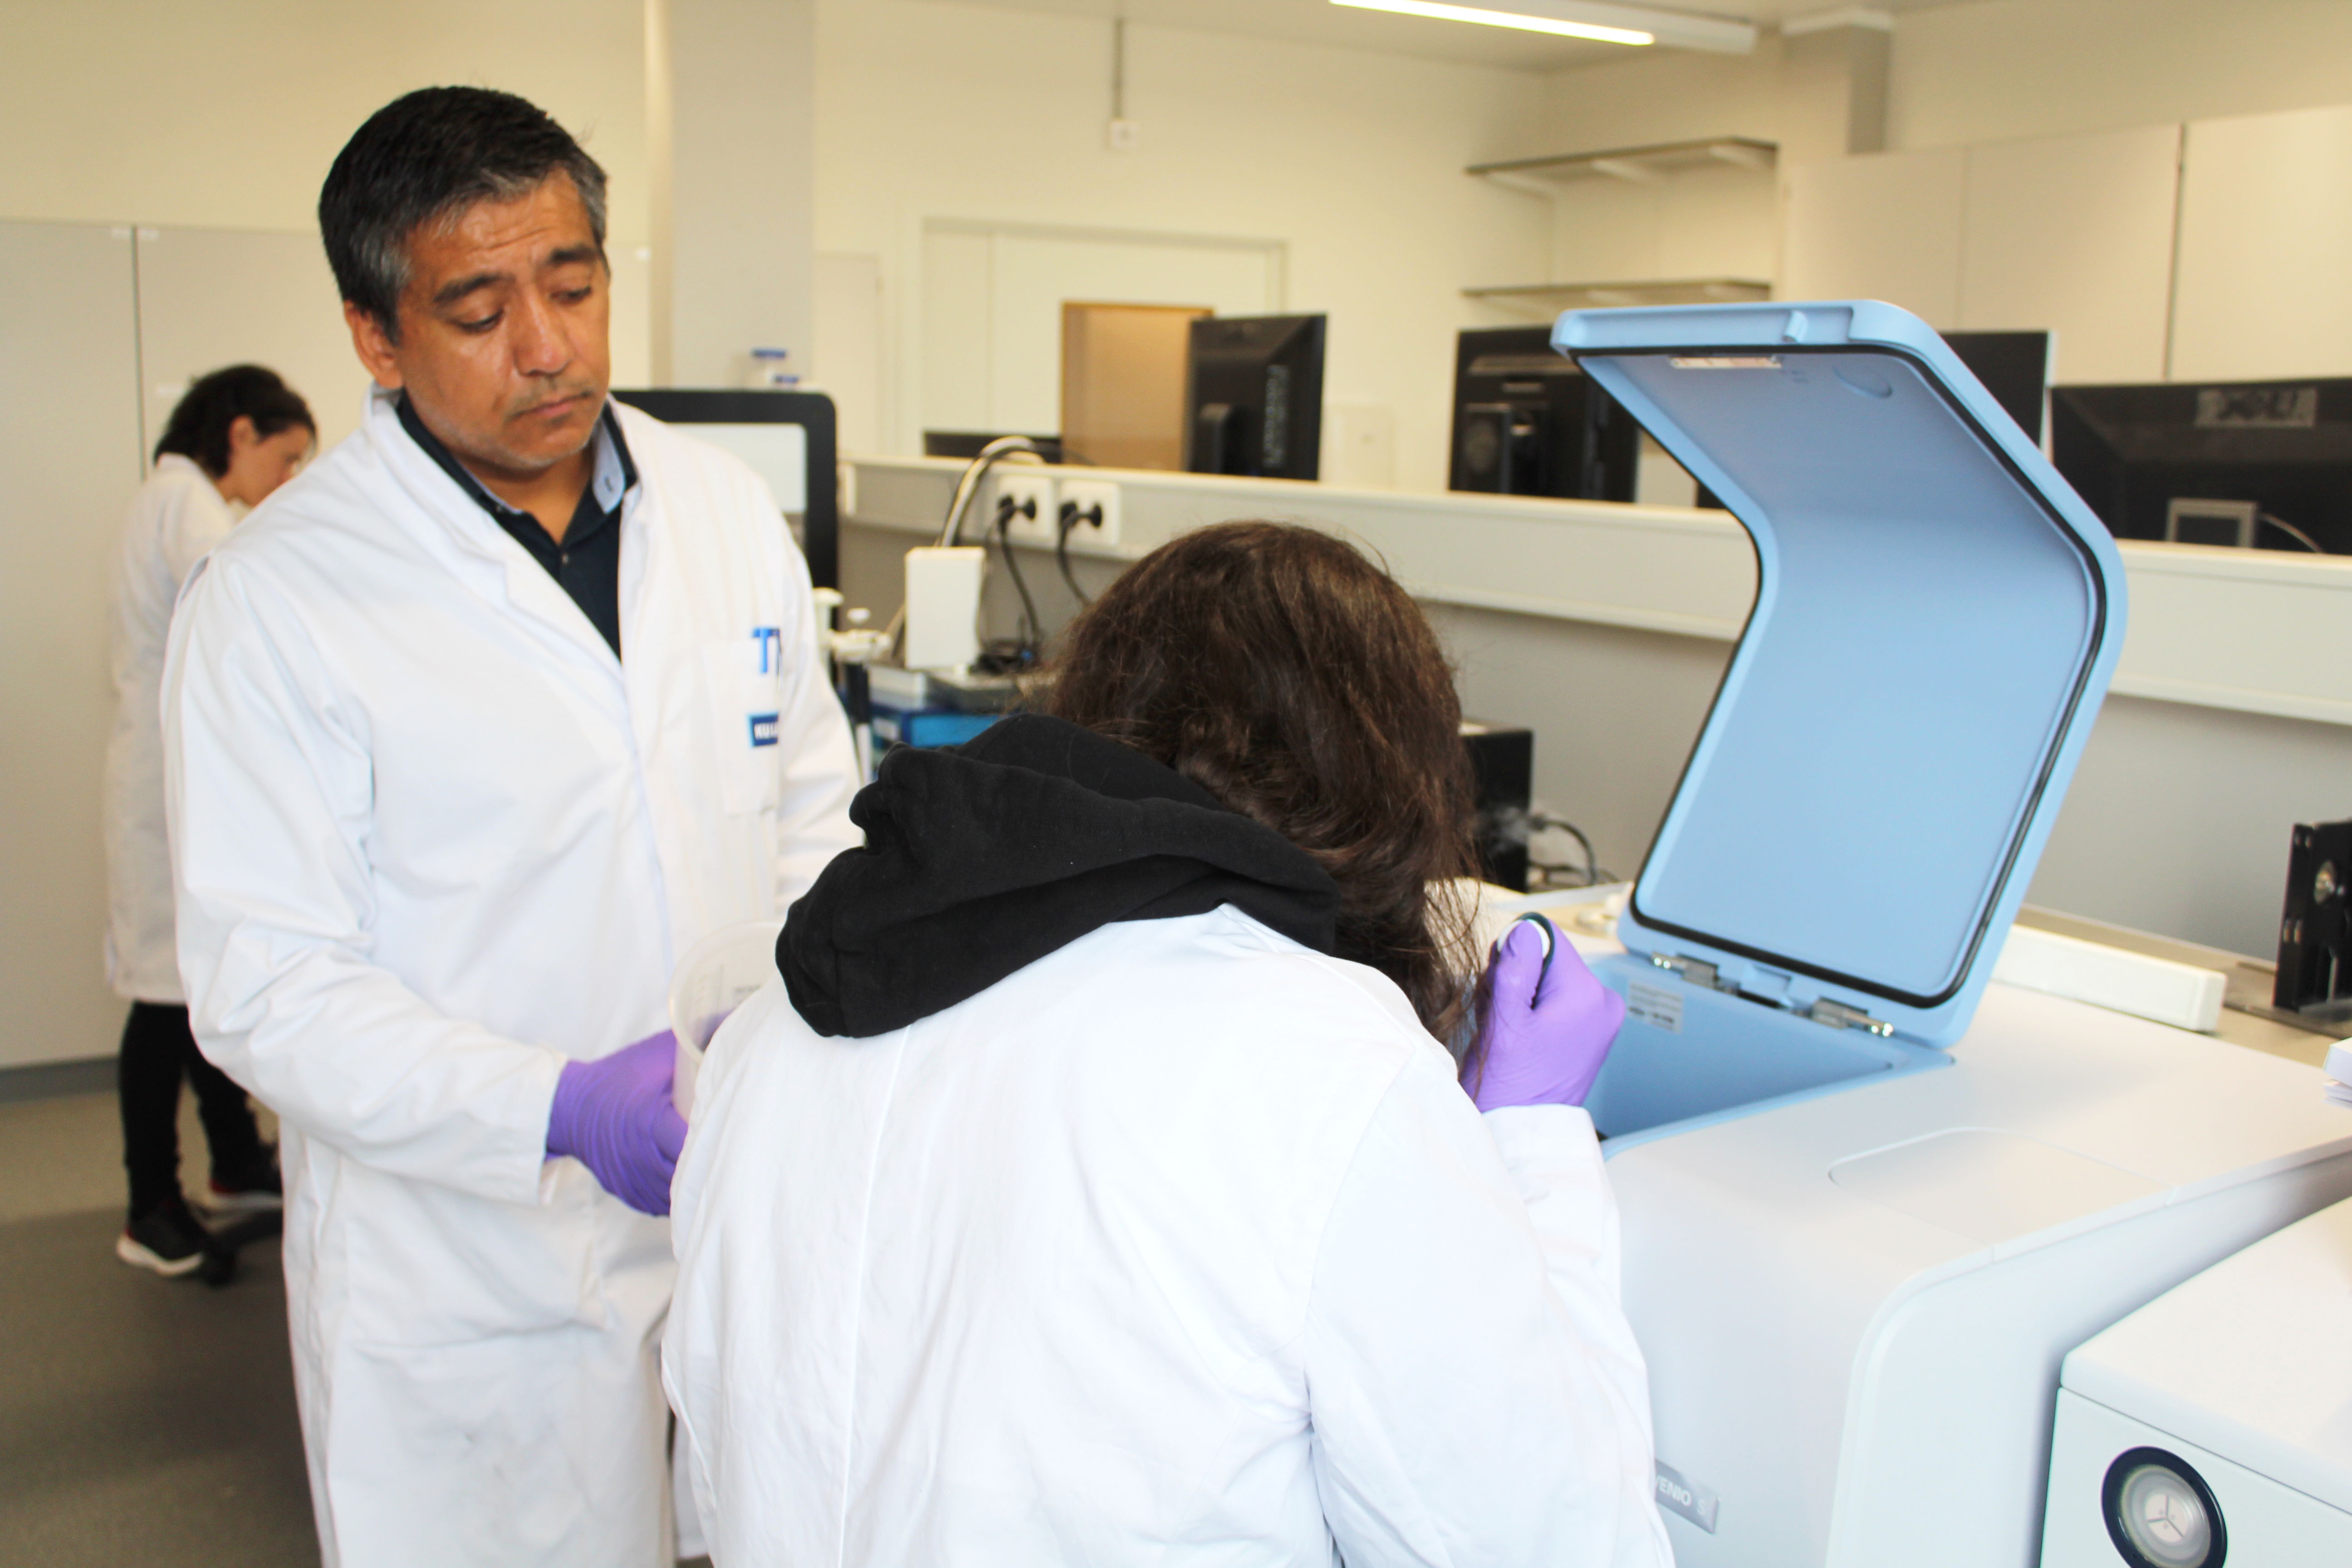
[(2214, 251), (2265, 248), (2071, 235), (69, 445), (2074, 233)]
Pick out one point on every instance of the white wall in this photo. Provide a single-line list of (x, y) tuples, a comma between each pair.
[(1997, 69), (1663, 95), (728, 90), (1352, 162), (227, 115)]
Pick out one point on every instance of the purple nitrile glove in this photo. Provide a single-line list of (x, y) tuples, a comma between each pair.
[(1543, 1047), (614, 1115)]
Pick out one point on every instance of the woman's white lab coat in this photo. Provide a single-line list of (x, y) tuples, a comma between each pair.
[(433, 838), (177, 515), (1179, 1246)]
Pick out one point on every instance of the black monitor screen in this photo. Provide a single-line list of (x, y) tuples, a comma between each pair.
[(1527, 422), (788, 439), (2013, 366), (1253, 397), (2175, 460)]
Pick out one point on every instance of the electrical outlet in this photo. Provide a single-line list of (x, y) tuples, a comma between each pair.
[(1031, 495), (1087, 496)]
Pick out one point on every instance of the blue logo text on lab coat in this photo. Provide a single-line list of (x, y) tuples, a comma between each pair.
[(763, 728)]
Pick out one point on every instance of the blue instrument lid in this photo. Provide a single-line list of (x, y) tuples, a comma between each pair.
[(1936, 617)]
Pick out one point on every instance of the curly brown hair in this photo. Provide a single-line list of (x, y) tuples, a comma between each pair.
[(1291, 677)]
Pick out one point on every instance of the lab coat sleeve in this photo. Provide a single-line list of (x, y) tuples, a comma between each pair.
[(267, 778), (1474, 1389), (820, 767)]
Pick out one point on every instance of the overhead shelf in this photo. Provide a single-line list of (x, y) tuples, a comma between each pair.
[(1545, 176), (1544, 301)]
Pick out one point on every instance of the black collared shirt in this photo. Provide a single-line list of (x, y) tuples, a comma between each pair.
[(586, 563)]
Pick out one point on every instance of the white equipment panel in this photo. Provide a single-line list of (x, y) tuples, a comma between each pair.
[(2238, 1382), (1855, 1307)]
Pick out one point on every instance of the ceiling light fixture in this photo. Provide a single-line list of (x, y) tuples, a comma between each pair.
[(1587, 19)]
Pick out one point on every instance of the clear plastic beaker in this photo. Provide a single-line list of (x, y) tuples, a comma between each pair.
[(715, 977)]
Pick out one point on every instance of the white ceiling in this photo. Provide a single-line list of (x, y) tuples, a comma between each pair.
[(1320, 22)]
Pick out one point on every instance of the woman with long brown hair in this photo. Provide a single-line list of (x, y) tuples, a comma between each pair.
[(1099, 1186)]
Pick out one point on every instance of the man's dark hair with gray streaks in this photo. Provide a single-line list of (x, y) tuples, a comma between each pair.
[(426, 158)]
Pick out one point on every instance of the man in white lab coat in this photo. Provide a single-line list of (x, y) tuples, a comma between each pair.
[(471, 732)]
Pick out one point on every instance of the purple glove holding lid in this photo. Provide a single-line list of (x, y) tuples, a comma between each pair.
[(1549, 1026), (614, 1115)]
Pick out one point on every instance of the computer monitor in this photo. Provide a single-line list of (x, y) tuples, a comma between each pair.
[(2014, 367), (788, 439), (1527, 422), (1253, 397), (2249, 463)]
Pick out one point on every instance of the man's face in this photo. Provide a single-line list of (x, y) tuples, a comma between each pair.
[(504, 344)]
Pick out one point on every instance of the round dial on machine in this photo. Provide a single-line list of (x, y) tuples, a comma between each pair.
[(2160, 1513)]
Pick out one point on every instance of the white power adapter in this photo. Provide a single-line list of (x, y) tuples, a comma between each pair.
[(943, 605)]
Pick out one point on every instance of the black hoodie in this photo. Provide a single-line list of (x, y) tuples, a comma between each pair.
[(981, 858)]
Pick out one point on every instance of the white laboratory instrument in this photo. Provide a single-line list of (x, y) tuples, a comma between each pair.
[(2214, 1424), (942, 606), (1868, 1202)]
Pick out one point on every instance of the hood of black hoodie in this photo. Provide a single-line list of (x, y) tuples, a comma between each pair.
[(982, 858)]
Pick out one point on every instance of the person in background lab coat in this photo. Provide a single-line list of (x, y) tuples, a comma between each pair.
[(1094, 1188), (235, 436), (471, 730)]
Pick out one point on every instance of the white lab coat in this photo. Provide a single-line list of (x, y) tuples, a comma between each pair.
[(1179, 1246), (433, 839), (177, 515)]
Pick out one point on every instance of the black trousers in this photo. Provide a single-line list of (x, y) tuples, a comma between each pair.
[(158, 1050)]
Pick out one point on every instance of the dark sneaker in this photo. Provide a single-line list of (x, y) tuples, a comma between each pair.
[(256, 1189), (166, 1238)]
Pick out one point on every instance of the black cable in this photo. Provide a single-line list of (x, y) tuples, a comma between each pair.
[(1030, 626), (967, 489), (1070, 517), (1593, 875)]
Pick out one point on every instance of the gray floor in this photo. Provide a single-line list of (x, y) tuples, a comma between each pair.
[(143, 1421)]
